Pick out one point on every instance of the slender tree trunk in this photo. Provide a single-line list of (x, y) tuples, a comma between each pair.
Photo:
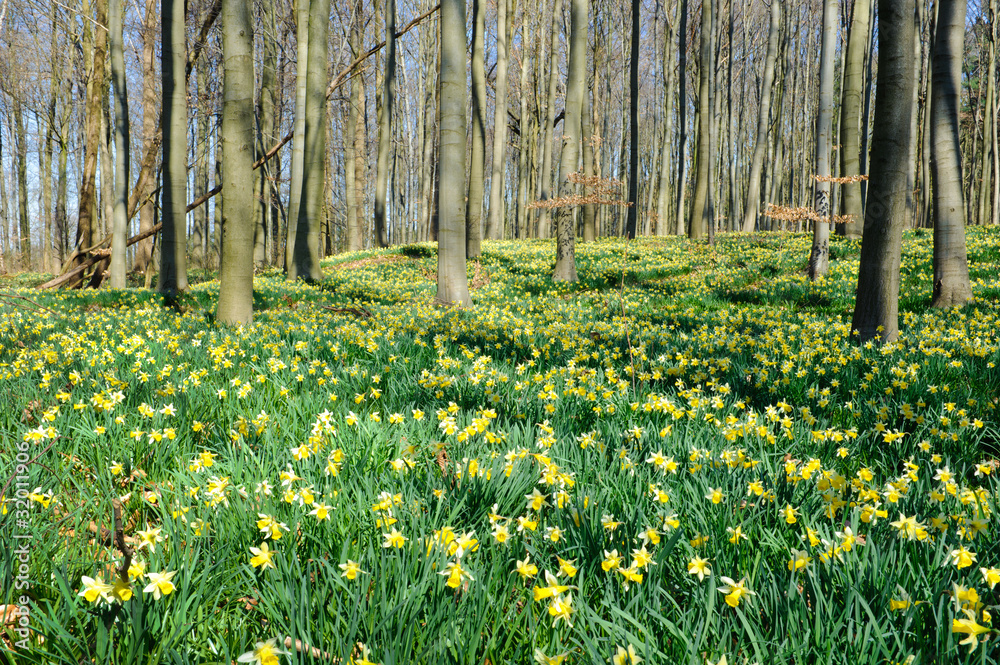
[(236, 271), (548, 145), (951, 268), (452, 282), (819, 258), (700, 208), (752, 209), (21, 150), (477, 167), (173, 246), (877, 304), (496, 219), (866, 114), (150, 109), (682, 161), (589, 211), (385, 125), (994, 111), (199, 183), (565, 270), (120, 223), (667, 139), (298, 144), (633, 126), (524, 134), (264, 137)]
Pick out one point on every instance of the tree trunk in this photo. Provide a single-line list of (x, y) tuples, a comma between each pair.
[(150, 106), (682, 161), (877, 303), (565, 270), (385, 125), (120, 221), (452, 282), (477, 167), (21, 150), (951, 268), (199, 183), (589, 211), (633, 126), (264, 137), (666, 141), (700, 208), (236, 271), (496, 220), (298, 144), (819, 257), (548, 145), (752, 209), (173, 245), (524, 134)]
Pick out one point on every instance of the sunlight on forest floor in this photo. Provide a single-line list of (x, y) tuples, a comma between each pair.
[(684, 455)]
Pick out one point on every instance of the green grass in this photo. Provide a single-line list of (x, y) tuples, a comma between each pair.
[(725, 360)]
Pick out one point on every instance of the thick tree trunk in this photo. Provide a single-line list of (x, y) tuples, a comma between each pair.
[(951, 268), (236, 271), (877, 304), (819, 257), (752, 209), (385, 125), (477, 167), (312, 210), (173, 246), (700, 209), (120, 220), (667, 139), (298, 144), (452, 282), (565, 270)]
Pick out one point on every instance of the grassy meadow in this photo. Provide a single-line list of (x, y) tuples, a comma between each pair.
[(683, 458)]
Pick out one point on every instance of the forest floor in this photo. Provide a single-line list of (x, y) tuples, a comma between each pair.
[(683, 457)]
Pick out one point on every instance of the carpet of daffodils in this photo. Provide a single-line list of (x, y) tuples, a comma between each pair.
[(685, 458)]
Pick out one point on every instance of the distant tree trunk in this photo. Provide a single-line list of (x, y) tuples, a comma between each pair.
[(496, 219), (589, 210), (120, 225), (667, 139), (752, 209), (951, 268), (173, 246), (474, 208), (565, 270), (264, 137), (21, 149), (850, 116), (235, 304), (681, 118), (298, 142), (548, 145), (150, 109), (819, 257), (385, 125), (700, 208), (866, 113), (199, 183), (452, 282), (524, 133), (633, 126), (877, 304)]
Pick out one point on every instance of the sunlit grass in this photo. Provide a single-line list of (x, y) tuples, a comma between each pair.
[(532, 477)]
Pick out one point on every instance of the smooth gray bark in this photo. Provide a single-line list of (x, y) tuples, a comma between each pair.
[(876, 306), (700, 208), (548, 144), (633, 125), (819, 257), (951, 268), (565, 269), (120, 221), (235, 304), (299, 131), (496, 219), (452, 281), (477, 166), (752, 209), (385, 125), (173, 245)]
